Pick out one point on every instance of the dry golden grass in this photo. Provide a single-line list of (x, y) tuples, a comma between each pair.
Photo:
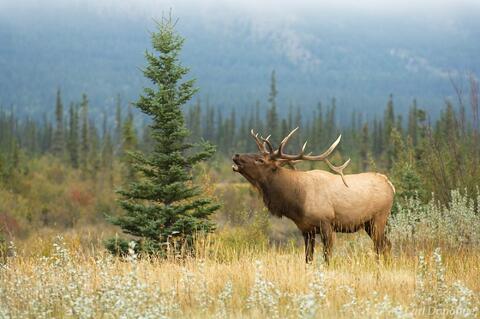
[(192, 287)]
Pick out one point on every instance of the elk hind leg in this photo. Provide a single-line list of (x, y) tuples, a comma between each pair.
[(309, 238), (375, 228)]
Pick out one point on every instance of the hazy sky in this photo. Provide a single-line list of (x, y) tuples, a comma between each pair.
[(253, 7), (305, 39)]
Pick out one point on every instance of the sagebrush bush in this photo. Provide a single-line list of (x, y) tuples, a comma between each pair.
[(68, 284), (455, 225)]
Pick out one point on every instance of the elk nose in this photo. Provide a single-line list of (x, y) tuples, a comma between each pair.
[(236, 158)]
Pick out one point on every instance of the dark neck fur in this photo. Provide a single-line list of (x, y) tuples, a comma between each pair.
[(281, 195)]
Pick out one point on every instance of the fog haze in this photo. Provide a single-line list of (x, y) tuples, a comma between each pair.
[(356, 52)]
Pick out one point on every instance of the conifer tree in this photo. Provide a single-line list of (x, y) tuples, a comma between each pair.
[(85, 142), (73, 137), (146, 142), (58, 138), (330, 127), (2, 170), (48, 136), (389, 126), (404, 174), (30, 136), (15, 164), (241, 141), (107, 151), (413, 122), (164, 203), (272, 115), (399, 124), (94, 144), (231, 127), (209, 122), (290, 116), (258, 124), (194, 122), (129, 144), (389, 120), (220, 138), (284, 129), (118, 122), (364, 147), (298, 118)]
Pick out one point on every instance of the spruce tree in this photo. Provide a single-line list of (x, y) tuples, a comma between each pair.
[(258, 124), (194, 122), (364, 148), (107, 151), (73, 137), (93, 158), (220, 138), (129, 144), (272, 115), (117, 137), (58, 138), (231, 129), (330, 126), (389, 120), (413, 122), (84, 135), (209, 123), (163, 204)]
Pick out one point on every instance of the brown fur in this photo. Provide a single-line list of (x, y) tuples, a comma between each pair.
[(318, 202)]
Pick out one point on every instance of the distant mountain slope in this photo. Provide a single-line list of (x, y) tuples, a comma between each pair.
[(358, 59)]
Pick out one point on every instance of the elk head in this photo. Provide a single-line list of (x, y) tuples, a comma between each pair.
[(257, 168)]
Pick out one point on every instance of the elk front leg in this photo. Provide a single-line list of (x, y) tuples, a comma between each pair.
[(309, 238)]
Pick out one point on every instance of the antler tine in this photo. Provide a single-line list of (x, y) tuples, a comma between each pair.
[(339, 169), (301, 156), (268, 143), (325, 154), (303, 147), (286, 138), (284, 142), (260, 145)]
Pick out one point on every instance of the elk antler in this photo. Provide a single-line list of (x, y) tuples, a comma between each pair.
[(268, 143), (262, 146), (339, 169), (279, 155)]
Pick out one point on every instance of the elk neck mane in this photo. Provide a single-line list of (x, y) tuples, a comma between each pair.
[(283, 194)]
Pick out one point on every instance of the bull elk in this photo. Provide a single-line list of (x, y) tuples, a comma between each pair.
[(317, 201)]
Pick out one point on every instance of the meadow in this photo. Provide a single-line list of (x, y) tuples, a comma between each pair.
[(110, 223), (432, 272)]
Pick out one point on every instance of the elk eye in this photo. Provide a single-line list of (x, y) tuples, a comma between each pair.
[(260, 161)]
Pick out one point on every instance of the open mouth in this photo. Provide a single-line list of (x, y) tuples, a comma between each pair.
[(236, 166)]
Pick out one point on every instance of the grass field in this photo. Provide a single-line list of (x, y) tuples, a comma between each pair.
[(73, 277)]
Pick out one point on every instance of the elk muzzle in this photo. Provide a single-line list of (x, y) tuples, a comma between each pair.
[(236, 163)]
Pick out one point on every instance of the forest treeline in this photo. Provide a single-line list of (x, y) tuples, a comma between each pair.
[(421, 155)]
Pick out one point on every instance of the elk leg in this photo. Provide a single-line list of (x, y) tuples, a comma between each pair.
[(327, 234), (309, 238), (371, 231), (375, 228)]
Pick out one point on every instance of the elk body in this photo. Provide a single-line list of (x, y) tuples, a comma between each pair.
[(317, 201)]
